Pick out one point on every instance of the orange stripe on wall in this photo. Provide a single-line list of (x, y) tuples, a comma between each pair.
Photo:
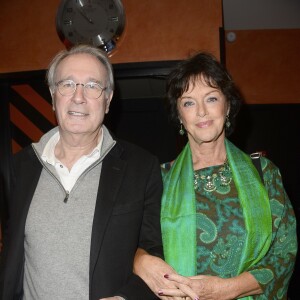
[(15, 146), (33, 98), (24, 124)]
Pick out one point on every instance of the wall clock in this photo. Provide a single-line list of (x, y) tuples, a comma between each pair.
[(95, 22)]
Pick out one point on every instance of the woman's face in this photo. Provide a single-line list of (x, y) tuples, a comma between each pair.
[(202, 110)]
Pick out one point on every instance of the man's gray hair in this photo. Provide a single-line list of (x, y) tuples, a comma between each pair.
[(80, 49)]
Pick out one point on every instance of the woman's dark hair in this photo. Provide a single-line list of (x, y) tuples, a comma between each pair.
[(202, 66)]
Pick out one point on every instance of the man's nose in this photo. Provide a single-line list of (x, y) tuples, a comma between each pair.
[(78, 95)]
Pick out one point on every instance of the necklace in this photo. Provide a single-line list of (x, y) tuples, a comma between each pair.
[(221, 178)]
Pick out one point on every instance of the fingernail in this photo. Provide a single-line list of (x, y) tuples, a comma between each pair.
[(166, 276), (197, 298), (160, 293)]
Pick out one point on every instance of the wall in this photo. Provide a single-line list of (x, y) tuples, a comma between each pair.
[(257, 14), (156, 30), (265, 64), (264, 57)]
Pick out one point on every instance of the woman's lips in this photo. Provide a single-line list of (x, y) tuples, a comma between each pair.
[(204, 124)]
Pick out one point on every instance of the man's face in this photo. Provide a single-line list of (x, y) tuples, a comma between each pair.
[(78, 114)]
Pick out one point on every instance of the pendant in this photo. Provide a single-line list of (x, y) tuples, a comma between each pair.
[(215, 181), (209, 186), (224, 180)]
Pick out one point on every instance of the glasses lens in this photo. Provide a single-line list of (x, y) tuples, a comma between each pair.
[(93, 90), (66, 87)]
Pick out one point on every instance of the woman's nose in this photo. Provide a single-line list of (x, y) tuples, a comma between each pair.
[(201, 110)]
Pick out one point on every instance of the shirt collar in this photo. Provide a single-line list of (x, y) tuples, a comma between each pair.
[(48, 154)]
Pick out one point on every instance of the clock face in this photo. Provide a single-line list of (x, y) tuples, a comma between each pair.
[(95, 22)]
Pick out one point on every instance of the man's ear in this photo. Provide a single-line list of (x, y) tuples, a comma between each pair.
[(52, 98), (107, 101)]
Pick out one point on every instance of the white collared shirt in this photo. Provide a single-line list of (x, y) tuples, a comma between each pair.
[(67, 177)]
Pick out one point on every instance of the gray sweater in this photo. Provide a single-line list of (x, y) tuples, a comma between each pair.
[(58, 233)]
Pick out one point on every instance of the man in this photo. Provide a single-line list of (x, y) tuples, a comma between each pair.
[(82, 201)]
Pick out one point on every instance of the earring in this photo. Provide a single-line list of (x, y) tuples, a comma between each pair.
[(181, 130), (227, 123)]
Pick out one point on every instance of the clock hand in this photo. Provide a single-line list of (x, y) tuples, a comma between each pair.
[(83, 13)]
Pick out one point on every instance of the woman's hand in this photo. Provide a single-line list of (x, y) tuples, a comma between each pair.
[(152, 270), (215, 288), (205, 287)]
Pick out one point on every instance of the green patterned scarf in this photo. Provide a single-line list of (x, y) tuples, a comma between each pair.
[(178, 214)]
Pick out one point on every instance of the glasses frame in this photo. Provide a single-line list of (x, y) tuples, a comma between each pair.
[(57, 84)]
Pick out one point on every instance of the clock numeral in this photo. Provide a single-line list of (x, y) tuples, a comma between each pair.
[(84, 2), (70, 34), (114, 19), (69, 9), (68, 22)]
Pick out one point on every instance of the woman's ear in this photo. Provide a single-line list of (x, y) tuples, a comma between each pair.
[(179, 117), (228, 108)]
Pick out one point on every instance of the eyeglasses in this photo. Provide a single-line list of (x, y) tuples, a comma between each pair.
[(92, 90)]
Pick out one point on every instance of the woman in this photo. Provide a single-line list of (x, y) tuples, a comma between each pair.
[(226, 233)]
